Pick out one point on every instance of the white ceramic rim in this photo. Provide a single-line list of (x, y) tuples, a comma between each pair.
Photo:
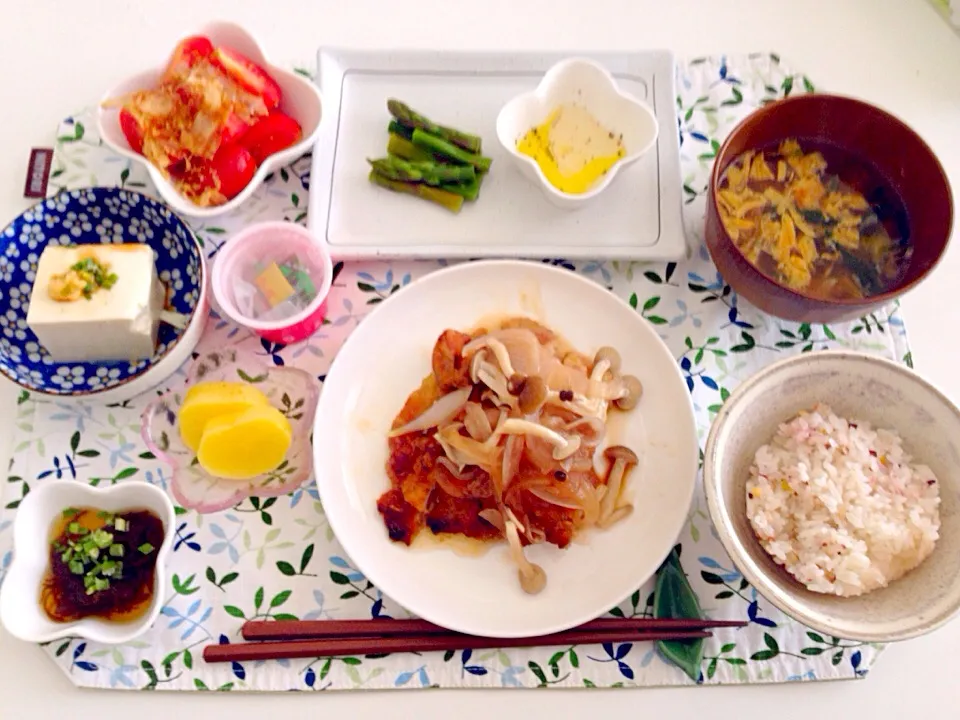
[(556, 70), (720, 514), (230, 247)]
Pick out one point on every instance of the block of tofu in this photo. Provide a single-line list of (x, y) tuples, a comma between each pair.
[(118, 322)]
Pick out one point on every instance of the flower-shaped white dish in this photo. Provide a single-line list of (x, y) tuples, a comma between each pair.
[(20, 610), (300, 99), (293, 392), (578, 81)]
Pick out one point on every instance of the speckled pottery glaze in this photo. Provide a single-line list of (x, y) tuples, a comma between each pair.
[(856, 386)]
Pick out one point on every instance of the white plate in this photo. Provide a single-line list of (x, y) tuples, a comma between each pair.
[(385, 359), (637, 218)]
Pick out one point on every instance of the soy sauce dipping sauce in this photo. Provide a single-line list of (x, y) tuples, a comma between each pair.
[(101, 564)]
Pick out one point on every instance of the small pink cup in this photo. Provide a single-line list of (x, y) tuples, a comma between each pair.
[(263, 243)]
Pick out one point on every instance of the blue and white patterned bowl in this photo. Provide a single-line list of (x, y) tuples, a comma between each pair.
[(106, 216)]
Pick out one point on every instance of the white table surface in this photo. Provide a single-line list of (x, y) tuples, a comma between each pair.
[(59, 55)]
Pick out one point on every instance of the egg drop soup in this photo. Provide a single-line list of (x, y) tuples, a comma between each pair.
[(816, 219)]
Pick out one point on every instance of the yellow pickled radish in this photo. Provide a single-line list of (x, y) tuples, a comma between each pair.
[(208, 400), (242, 445)]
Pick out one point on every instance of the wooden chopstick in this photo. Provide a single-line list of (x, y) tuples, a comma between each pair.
[(332, 629), (365, 645)]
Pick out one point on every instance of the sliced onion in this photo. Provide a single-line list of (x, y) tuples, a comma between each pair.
[(591, 430), (476, 422), (523, 347), (442, 410), (466, 451), (549, 497), (580, 487), (494, 517), (512, 452), (451, 468)]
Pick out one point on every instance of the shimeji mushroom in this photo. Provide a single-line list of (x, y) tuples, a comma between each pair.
[(631, 393), (563, 446), (622, 459), (532, 577), (498, 349)]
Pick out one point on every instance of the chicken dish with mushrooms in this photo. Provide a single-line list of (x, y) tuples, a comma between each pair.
[(502, 441)]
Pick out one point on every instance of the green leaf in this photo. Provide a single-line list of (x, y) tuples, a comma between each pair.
[(812, 651), (147, 667), (816, 637), (807, 85), (89, 453), (284, 175), (126, 472), (574, 659), (75, 441), (724, 595), (147, 456), (588, 683), (555, 658), (251, 378), (211, 575), (200, 684), (648, 305), (711, 668), (351, 661), (763, 655), (655, 319), (183, 587), (448, 655), (804, 331), (729, 647), (339, 578), (228, 578), (771, 642), (829, 333), (285, 616), (22, 397), (633, 301), (366, 287), (786, 86), (616, 612), (735, 661), (187, 660), (349, 594), (168, 660), (736, 99), (724, 394), (295, 199), (280, 598), (538, 672), (286, 568), (225, 687), (837, 657), (306, 557), (258, 598), (234, 611), (711, 578), (674, 598)]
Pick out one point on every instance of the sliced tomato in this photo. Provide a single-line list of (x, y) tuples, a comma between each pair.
[(248, 75), (273, 133), (187, 53), (234, 167), (234, 127), (131, 130)]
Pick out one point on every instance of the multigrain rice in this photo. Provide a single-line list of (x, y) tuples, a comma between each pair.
[(840, 505)]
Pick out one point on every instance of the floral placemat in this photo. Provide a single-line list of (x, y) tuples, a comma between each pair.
[(278, 557)]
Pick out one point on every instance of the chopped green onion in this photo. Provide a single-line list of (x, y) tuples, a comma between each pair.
[(146, 548), (76, 567), (116, 551), (74, 528), (70, 511), (102, 538), (121, 525)]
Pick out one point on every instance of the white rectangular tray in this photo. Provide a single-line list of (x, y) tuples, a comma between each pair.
[(636, 218)]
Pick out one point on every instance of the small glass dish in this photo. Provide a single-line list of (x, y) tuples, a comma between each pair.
[(293, 392)]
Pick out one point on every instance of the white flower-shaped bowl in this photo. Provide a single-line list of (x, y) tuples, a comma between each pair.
[(293, 392), (301, 100), (582, 82), (20, 610)]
